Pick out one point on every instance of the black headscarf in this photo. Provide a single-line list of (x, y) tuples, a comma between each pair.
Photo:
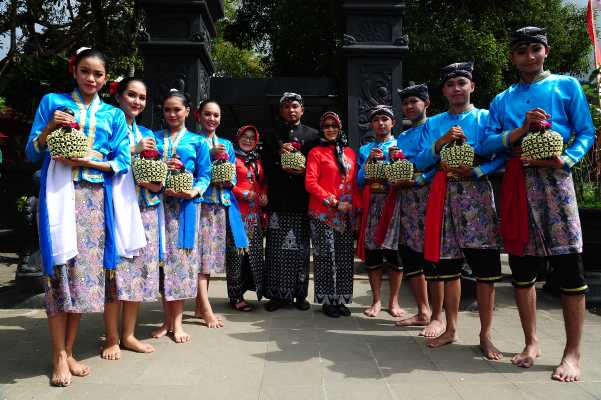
[(529, 34), (339, 143), (464, 69), (419, 91)]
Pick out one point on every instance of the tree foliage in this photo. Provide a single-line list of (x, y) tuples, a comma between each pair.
[(300, 38), (295, 37), (44, 33), (442, 32), (230, 59)]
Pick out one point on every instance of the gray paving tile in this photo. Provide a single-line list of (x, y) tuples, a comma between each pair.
[(432, 390), (555, 391), (358, 391), (279, 392)]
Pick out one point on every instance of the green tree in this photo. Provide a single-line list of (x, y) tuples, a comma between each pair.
[(230, 59), (44, 33), (442, 32), (295, 37), (300, 38)]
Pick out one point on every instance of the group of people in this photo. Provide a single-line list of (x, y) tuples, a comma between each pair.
[(109, 242)]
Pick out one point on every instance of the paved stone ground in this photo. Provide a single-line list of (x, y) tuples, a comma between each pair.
[(291, 354)]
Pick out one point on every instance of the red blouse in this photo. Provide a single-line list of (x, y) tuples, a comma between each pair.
[(246, 181), (323, 178)]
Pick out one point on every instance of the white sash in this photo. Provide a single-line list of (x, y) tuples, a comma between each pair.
[(60, 200), (130, 236)]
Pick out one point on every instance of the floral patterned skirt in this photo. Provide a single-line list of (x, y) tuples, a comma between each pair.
[(470, 218), (413, 203), (212, 237), (137, 279), (179, 277), (553, 220), (79, 286)]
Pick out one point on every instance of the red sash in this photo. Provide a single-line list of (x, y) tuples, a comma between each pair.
[(514, 208), (365, 200), (434, 217)]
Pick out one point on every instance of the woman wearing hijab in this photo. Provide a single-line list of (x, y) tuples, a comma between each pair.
[(245, 270), (330, 182)]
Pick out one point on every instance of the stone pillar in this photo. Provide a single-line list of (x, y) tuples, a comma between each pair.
[(175, 43), (373, 46)]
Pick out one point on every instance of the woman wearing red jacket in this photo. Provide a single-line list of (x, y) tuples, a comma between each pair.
[(245, 271), (330, 182)]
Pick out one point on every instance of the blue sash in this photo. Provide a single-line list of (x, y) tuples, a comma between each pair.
[(186, 236), (237, 225)]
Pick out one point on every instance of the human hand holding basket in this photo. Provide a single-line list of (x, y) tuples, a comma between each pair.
[(293, 161), (148, 167), (178, 179), (223, 172), (67, 141)]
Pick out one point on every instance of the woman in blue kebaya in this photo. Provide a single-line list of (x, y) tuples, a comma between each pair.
[(378, 257), (461, 220), (76, 205), (219, 208), (539, 213), (181, 260), (137, 276)]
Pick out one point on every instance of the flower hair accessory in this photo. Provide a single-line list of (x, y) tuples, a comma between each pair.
[(114, 85), (71, 61)]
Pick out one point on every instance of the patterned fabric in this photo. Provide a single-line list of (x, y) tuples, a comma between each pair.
[(413, 211), (137, 279), (553, 221), (245, 271), (180, 269), (79, 286), (470, 219), (333, 261), (373, 219), (287, 256), (211, 243)]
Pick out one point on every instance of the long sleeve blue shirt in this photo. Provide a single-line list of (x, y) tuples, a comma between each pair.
[(560, 96), (104, 125), (214, 194), (364, 154), (192, 151), (473, 122), (409, 141)]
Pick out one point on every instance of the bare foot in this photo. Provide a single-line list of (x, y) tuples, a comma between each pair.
[(488, 349), (396, 311), (179, 336), (132, 343), (373, 310), (61, 375), (111, 350), (416, 320), (444, 339), (159, 333), (211, 320), (77, 368), (433, 330), (568, 370), (526, 358)]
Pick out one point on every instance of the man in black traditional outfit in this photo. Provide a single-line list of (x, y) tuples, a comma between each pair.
[(287, 249)]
